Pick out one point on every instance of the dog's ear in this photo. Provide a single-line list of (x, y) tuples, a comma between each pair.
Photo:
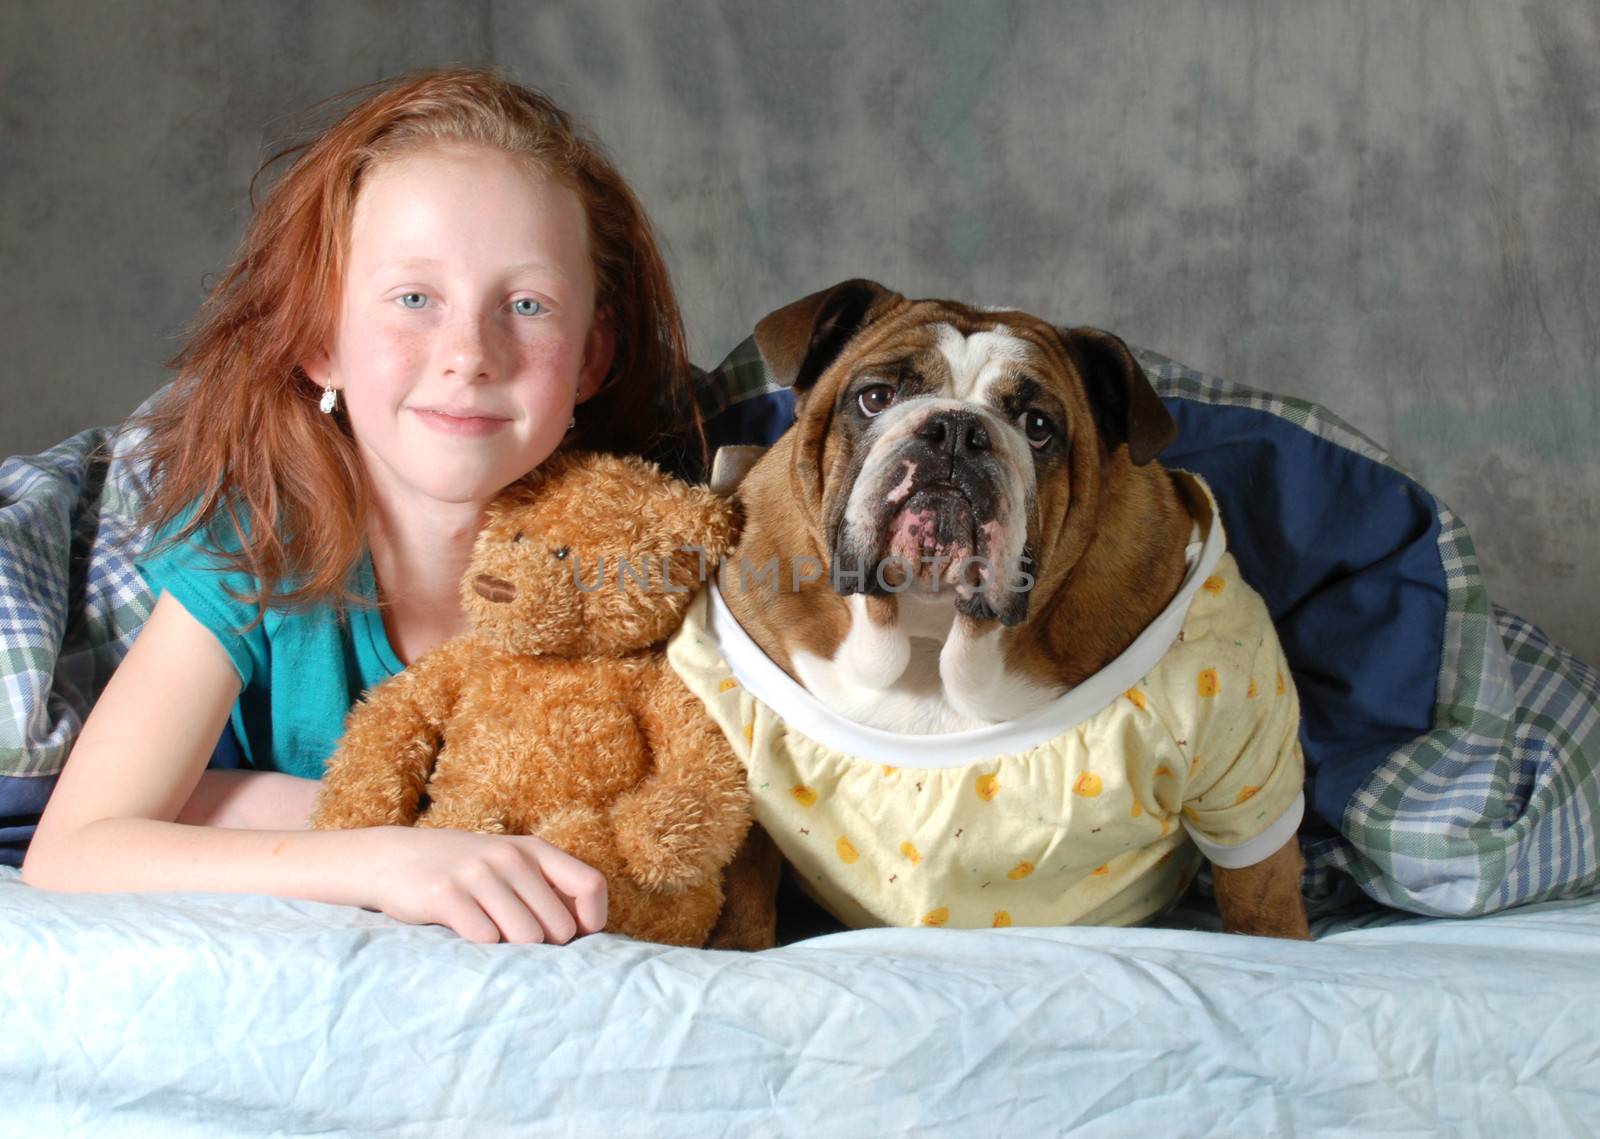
[(800, 340), (1126, 408)]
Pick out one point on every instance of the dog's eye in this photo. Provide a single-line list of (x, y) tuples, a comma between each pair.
[(561, 553), (875, 399), (517, 537), (1037, 427)]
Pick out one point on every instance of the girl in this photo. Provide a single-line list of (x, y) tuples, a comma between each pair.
[(442, 287)]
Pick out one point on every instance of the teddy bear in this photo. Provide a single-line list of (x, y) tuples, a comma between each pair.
[(556, 713)]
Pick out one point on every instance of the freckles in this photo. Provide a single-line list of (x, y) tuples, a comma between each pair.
[(546, 358), (543, 352), (390, 355)]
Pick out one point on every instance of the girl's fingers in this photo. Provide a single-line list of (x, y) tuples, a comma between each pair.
[(460, 912), (541, 900), (580, 886), (519, 915)]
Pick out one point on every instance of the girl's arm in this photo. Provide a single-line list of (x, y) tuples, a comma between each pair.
[(110, 824), (250, 800)]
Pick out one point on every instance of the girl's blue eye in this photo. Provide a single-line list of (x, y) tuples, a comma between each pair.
[(414, 300), (526, 306)]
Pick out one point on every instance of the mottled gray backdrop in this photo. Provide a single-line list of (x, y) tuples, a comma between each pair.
[(1392, 208)]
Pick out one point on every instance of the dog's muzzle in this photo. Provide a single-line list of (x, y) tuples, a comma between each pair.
[(931, 517)]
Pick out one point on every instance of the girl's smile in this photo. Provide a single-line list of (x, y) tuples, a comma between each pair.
[(469, 422)]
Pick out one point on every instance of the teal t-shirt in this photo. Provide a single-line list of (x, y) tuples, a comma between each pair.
[(300, 670)]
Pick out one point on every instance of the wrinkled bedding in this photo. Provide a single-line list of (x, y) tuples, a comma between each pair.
[(172, 1015)]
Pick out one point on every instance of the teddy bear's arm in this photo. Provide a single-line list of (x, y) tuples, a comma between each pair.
[(391, 741), (681, 825)]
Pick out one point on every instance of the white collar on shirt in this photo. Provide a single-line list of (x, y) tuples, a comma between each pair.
[(769, 684)]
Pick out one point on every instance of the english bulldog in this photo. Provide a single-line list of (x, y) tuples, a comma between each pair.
[(986, 660)]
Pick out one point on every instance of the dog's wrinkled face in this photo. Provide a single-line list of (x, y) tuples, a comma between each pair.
[(944, 443), (942, 433)]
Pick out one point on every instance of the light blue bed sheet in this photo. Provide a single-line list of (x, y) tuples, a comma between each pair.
[(173, 1015)]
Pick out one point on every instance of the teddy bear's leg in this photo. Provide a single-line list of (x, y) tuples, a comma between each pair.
[(681, 825), (681, 917), (580, 830), (749, 918), (585, 833), (452, 814)]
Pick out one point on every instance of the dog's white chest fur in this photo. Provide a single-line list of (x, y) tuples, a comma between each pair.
[(926, 673)]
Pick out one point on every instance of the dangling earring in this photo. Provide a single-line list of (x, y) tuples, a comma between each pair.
[(330, 400), (571, 423)]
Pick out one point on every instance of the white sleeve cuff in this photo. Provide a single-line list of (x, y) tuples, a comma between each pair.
[(1257, 849)]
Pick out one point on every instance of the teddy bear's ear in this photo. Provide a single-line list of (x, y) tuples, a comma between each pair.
[(519, 495), (538, 483)]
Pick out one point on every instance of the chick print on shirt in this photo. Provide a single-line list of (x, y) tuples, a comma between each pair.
[(1091, 826)]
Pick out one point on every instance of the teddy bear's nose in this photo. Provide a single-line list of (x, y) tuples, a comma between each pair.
[(492, 588)]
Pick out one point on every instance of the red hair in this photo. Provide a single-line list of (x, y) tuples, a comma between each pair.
[(238, 449)]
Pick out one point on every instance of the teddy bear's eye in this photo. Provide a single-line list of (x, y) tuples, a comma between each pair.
[(561, 554), (517, 537)]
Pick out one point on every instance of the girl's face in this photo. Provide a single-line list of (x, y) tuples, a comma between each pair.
[(467, 328)]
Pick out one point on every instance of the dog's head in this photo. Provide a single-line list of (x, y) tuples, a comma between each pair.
[(946, 447)]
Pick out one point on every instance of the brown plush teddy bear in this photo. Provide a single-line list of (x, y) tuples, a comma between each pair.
[(556, 714)]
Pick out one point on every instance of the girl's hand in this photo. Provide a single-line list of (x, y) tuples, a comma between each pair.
[(487, 888)]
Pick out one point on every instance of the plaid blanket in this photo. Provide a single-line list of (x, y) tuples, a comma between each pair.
[(70, 605), (1454, 751)]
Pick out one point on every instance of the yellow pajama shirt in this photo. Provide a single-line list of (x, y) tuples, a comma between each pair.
[(1096, 809)]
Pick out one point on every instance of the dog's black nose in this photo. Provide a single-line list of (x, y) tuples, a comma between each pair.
[(955, 432)]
